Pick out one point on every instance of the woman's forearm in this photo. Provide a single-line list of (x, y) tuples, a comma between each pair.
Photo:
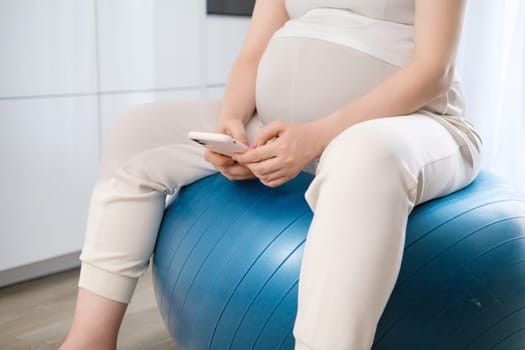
[(436, 39), (239, 95), (403, 93)]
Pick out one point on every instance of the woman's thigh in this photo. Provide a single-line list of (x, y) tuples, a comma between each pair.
[(147, 127), (435, 162), (150, 142)]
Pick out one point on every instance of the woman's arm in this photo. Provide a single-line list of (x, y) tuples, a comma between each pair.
[(437, 32), (239, 95), (239, 98), (429, 75)]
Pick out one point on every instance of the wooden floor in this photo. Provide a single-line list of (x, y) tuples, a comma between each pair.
[(38, 313)]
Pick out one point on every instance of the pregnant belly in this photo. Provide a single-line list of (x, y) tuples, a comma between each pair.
[(303, 79)]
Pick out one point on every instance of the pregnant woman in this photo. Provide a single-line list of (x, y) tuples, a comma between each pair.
[(361, 91)]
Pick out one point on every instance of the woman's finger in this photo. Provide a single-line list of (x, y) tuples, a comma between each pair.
[(237, 177), (266, 167), (274, 176), (269, 176), (269, 131), (236, 172), (217, 159), (235, 129), (238, 132), (258, 154), (275, 182)]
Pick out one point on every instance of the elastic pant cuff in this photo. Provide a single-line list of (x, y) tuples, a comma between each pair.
[(107, 284)]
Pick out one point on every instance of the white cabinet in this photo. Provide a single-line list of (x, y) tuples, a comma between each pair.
[(149, 44), (47, 47), (224, 38), (49, 156), (49, 132)]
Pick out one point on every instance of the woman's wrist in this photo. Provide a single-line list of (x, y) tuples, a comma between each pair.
[(228, 117), (324, 130)]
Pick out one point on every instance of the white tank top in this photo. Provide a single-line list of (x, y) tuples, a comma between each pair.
[(381, 28)]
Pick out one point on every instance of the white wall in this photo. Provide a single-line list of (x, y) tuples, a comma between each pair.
[(67, 69)]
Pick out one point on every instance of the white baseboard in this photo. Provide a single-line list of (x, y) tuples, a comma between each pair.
[(39, 269)]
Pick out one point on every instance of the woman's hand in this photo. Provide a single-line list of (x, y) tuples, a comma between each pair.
[(224, 164), (285, 149)]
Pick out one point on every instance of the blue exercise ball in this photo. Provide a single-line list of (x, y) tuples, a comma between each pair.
[(228, 255)]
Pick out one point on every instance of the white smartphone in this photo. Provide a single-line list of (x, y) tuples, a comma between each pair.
[(220, 143)]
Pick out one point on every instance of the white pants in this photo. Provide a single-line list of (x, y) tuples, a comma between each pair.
[(368, 180)]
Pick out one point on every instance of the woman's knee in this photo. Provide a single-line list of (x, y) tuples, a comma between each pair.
[(147, 126), (364, 160), (368, 148), (132, 128), (127, 136)]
